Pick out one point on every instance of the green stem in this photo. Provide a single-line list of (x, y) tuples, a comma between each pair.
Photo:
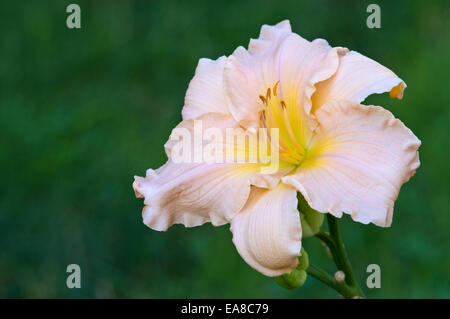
[(329, 242), (336, 246), (340, 250), (329, 280)]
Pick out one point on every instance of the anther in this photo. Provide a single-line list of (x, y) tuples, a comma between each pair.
[(263, 99), (268, 94), (275, 88), (283, 105)]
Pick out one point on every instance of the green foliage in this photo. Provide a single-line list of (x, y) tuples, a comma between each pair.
[(82, 111)]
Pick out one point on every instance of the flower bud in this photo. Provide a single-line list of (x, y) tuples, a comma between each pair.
[(339, 276), (310, 219), (292, 280), (303, 260)]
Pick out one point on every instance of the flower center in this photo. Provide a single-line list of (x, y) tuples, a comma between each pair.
[(275, 113)]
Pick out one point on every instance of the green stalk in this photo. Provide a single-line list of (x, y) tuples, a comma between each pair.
[(340, 250), (329, 280), (349, 288)]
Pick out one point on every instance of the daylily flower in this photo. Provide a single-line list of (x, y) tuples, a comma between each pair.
[(343, 157)]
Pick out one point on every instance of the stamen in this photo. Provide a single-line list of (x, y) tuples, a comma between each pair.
[(289, 128), (263, 118), (284, 147), (275, 114), (275, 88), (287, 150), (285, 157), (263, 99)]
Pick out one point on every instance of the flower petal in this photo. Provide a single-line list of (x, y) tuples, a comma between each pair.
[(194, 192), (359, 160), (267, 232), (205, 93), (302, 65), (356, 78), (278, 55), (248, 74), (243, 145), (188, 194)]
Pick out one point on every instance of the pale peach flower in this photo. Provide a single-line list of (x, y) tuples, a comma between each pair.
[(343, 157)]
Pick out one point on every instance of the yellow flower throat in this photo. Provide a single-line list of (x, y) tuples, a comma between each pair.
[(276, 113)]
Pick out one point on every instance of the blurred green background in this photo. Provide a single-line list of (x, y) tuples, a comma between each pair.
[(82, 111)]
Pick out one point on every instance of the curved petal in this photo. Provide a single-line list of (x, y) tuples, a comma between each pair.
[(267, 232), (190, 194), (213, 137), (357, 163), (303, 64), (356, 78), (277, 56), (205, 93), (194, 191), (249, 74)]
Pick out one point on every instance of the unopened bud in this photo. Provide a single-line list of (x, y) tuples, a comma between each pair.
[(303, 260), (292, 280), (310, 219), (339, 276)]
